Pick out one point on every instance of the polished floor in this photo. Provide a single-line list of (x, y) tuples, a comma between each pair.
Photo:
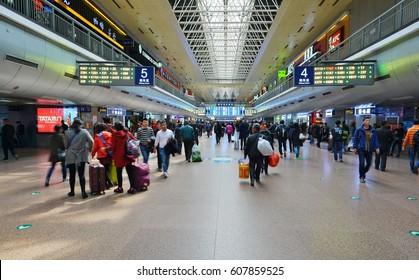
[(306, 208)]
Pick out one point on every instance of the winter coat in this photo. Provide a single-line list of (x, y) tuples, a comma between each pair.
[(360, 137), (98, 146), (56, 142), (251, 148), (80, 147), (119, 140), (385, 138)]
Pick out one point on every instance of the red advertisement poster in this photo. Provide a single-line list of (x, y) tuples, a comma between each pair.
[(48, 118)]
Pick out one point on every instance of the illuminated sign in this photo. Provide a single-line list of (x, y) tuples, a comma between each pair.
[(148, 57), (335, 39), (365, 109), (282, 74), (101, 109), (329, 113), (334, 75), (49, 117), (116, 112), (165, 75), (116, 75), (94, 18)]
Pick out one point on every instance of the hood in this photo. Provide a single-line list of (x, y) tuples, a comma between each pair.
[(120, 134)]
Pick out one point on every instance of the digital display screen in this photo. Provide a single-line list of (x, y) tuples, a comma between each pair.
[(116, 75), (49, 117), (224, 111), (334, 75)]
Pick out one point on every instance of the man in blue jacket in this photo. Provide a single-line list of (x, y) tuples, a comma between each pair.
[(365, 143)]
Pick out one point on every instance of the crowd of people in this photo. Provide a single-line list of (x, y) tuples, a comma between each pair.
[(72, 146)]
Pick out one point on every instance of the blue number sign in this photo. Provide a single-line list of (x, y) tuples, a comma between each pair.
[(144, 76), (304, 76)]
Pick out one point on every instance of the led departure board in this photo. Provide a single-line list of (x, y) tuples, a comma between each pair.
[(116, 75), (334, 75)]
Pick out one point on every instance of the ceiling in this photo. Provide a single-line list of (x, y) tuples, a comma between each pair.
[(225, 47)]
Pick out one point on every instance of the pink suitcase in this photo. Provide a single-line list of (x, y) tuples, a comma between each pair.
[(141, 176), (97, 182), (144, 169), (143, 182)]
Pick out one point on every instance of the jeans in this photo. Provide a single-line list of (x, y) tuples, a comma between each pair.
[(145, 152), (51, 169), (282, 144), (165, 158), (297, 150), (412, 154), (397, 143), (311, 139), (337, 147), (8, 145), (365, 159)]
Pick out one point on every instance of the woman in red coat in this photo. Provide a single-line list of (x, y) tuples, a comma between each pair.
[(102, 141), (119, 139)]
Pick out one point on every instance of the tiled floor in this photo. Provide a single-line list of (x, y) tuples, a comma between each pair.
[(304, 209)]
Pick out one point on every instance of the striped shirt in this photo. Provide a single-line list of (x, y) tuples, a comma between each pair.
[(144, 134)]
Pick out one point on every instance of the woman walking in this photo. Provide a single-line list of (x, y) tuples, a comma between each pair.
[(57, 153)]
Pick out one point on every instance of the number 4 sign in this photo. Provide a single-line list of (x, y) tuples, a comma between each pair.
[(304, 76)]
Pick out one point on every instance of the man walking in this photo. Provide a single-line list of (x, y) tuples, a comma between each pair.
[(187, 133), (413, 148), (7, 139), (385, 138), (365, 142), (337, 133), (255, 157)]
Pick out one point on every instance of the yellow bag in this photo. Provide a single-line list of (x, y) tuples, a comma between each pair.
[(112, 173)]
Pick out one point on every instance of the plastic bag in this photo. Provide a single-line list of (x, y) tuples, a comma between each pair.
[(196, 153)]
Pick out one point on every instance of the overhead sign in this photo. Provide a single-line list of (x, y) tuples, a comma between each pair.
[(334, 75), (116, 75)]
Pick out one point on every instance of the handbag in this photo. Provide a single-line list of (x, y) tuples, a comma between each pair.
[(264, 147), (301, 136), (61, 154)]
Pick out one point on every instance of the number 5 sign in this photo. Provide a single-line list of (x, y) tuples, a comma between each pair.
[(304, 76), (144, 76)]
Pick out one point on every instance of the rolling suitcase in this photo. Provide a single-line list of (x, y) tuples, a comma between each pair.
[(97, 181), (143, 182), (141, 176)]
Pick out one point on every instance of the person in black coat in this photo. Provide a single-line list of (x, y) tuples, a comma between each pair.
[(385, 138), (7, 139), (255, 157), (297, 142), (243, 133)]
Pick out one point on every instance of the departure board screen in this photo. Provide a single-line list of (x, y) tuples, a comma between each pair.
[(334, 75), (116, 75)]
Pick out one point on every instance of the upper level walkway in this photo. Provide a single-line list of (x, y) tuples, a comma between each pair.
[(307, 208)]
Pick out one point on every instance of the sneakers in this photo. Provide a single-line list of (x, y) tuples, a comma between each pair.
[(131, 191), (362, 180), (16, 156), (165, 175), (285, 154), (70, 194), (159, 169), (118, 190), (341, 160)]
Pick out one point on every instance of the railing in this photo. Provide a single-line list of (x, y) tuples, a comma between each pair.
[(394, 19), (52, 18)]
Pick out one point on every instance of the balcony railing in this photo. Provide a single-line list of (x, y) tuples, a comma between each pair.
[(396, 18), (64, 25)]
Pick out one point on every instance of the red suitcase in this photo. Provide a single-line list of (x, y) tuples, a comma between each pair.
[(97, 181)]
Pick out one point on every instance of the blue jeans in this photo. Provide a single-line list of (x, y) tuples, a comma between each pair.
[(63, 168), (165, 159), (364, 157), (412, 154), (337, 147), (297, 150), (145, 152)]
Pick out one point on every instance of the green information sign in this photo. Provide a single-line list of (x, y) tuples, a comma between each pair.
[(355, 198), (414, 233), (324, 179), (24, 226), (411, 198), (282, 74), (35, 193), (106, 75)]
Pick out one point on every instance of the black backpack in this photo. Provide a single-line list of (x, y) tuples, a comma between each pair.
[(416, 139), (337, 134)]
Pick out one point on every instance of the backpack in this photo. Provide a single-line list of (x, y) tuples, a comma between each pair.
[(337, 134), (416, 139), (132, 149)]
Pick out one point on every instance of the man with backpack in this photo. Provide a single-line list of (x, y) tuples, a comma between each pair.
[(412, 137), (282, 136), (337, 133)]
